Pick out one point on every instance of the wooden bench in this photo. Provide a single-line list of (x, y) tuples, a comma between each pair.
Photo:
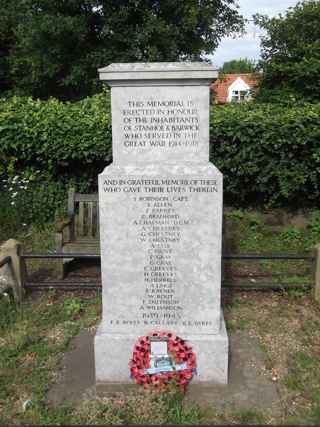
[(79, 233)]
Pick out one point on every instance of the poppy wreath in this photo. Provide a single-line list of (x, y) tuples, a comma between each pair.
[(178, 349)]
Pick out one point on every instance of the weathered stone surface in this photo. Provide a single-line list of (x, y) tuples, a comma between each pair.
[(116, 348), (163, 250), (167, 124), (160, 219), (157, 72), (10, 274)]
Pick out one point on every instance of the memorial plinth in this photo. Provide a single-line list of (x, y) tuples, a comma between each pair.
[(160, 207)]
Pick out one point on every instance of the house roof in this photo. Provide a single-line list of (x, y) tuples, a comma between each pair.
[(220, 86)]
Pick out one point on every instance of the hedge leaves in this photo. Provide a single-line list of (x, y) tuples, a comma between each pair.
[(268, 153)]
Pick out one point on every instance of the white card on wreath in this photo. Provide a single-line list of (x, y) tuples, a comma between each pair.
[(159, 347)]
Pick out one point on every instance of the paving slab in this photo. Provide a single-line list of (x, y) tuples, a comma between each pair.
[(249, 385), (76, 378)]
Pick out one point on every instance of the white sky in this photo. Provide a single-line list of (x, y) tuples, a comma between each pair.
[(249, 45)]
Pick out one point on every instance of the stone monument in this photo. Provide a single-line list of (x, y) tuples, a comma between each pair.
[(160, 205)]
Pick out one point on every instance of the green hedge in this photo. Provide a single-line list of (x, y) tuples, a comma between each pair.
[(269, 154), (46, 146), (63, 139)]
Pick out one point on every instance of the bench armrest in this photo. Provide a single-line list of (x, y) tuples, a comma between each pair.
[(59, 232), (66, 222)]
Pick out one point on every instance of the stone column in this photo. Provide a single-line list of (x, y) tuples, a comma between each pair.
[(11, 274), (160, 207)]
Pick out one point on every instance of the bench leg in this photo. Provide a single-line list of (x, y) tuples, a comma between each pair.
[(63, 267), (61, 270)]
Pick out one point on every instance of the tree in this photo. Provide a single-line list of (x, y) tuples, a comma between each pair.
[(54, 46), (291, 53), (59, 44), (8, 21), (236, 66)]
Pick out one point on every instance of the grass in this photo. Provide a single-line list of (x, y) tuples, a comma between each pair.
[(33, 340), (265, 233), (34, 337), (287, 327), (249, 416)]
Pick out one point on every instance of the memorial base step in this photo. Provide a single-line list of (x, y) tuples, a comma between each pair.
[(114, 351)]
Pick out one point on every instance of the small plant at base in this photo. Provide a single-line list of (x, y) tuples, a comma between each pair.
[(236, 215), (297, 292), (254, 221), (291, 234), (249, 416), (8, 311), (73, 306), (315, 224), (315, 415)]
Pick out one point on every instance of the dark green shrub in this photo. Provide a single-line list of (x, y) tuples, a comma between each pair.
[(46, 147), (268, 153), (66, 140)]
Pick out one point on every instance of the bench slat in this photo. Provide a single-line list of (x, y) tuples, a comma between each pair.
[(86, 215), (90, 219), (97, 222), (78, 197), (80, 228)]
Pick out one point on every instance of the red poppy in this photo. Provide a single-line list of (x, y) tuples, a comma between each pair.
[(180, 352)]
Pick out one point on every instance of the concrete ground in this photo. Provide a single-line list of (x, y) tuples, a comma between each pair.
[(249, 385)]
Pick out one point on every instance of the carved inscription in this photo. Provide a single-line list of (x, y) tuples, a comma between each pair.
[(160, 123), (160, 224)]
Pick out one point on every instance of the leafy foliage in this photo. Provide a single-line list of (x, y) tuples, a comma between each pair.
[(268, 153), (291, 54), (47, 146), (53, 48), (59, 138), (236, 66), (29, 201)]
